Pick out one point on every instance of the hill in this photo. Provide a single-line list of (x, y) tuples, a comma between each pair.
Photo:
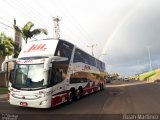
[(156, 77), (152, 75)]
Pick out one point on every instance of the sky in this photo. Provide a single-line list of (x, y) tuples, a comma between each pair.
[(121, 30)]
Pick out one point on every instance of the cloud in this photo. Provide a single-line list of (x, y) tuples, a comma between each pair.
[(129, 44)]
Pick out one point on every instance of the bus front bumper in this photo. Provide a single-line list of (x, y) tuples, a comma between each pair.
[(44, 102)]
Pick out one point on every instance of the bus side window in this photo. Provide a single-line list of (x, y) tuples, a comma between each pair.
[(56, 76), (64, 50)]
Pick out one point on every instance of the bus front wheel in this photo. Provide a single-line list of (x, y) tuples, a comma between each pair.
[(71, 96)]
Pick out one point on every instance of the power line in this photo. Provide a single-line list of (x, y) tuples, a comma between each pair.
[(8, 15), (32, 11), (6, 25), (73, 18), (19, 35), (69, 18), (29, 14), (82, 31), (58, 34), (68, 28), (11, 28), (47, 12), (41, 6), (5, 19), (24, 13)]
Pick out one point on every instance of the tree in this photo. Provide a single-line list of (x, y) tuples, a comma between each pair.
[(26, 31), (16, 47), (6, 46)]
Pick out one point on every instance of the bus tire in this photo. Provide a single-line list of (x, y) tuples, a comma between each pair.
[(79, 93), (102, 86), (71, 96), (99, 86)]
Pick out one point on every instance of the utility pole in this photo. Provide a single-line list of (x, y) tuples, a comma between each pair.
[(56, 34), (101, 55), (92, 46), (149, 57)]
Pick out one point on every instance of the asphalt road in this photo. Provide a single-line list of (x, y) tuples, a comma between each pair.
[(114, 102)]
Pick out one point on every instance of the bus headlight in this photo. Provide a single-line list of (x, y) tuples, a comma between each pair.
[(43, 102), (42, 95)]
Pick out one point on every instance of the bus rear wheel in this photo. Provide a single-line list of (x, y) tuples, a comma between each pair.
[(79, 93), (101, 86)]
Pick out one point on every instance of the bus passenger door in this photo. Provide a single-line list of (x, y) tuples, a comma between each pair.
[(56, 79)]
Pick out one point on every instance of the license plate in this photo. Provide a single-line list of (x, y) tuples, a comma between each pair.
[(23, 103)]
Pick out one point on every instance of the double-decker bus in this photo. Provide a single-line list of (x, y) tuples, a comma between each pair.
[(49, 72)]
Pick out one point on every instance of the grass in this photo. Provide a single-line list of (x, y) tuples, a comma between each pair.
[(3, 90), (147, 75)]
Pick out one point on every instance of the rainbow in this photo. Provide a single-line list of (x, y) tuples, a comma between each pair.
[(121, 23)]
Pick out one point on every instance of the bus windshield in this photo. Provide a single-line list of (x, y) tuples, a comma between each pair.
[(29, 76)]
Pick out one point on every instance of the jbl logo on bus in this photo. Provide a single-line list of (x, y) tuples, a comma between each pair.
[(86, 67), (36, 47)]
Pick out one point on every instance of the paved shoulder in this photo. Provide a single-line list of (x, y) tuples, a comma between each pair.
[(3, 97)]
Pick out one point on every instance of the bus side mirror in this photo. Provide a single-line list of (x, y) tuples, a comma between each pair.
[(11, 76)]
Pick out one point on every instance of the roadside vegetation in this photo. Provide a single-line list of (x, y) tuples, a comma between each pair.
[(154, 75), (27, 32), (9, 47), (3, 90), (147, 75)]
